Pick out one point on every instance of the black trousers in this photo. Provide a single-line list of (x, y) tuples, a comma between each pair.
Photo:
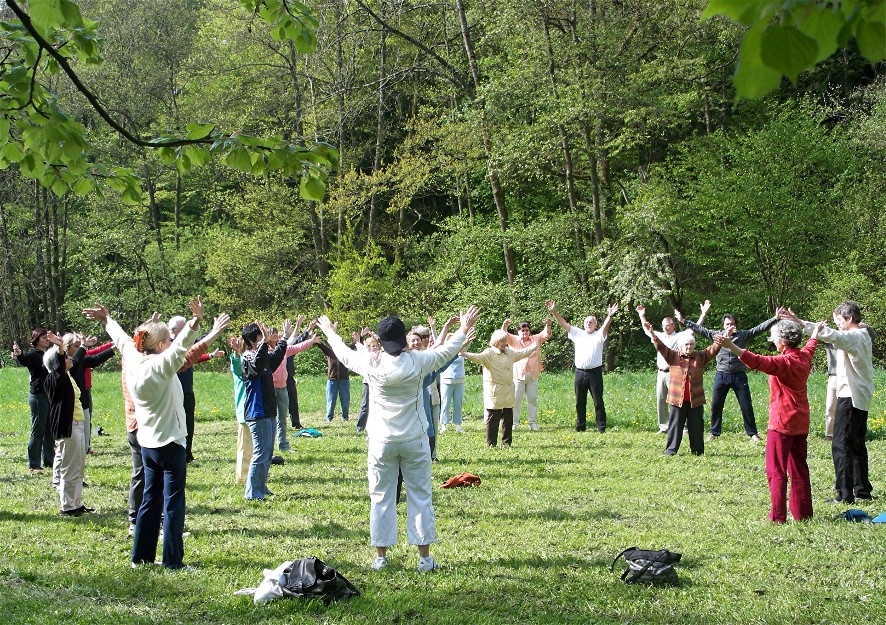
[(589, 381), (190, 404), (293, 403), (506, 417), (693, 420), (849, 452)]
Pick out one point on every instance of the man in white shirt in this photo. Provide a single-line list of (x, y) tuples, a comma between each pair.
[(588, 364)]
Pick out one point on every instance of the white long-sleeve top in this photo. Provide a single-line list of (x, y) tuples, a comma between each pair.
[(154, 386), (395, 386), (855, 363)]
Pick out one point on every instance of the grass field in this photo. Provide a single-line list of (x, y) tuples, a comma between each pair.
[(532, 544)]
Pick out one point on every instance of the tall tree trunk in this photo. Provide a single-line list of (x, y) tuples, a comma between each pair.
[(318, 223), (379, 123), (569, 172), (153, 207), (39, 312), (498, 195), (178, 205)]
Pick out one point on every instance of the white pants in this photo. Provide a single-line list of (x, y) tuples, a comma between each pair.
[(661, 396), (72, 460), (830, 406), (384, 463), (528, 387)]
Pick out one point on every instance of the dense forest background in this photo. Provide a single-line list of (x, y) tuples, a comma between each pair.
[(495, 152)]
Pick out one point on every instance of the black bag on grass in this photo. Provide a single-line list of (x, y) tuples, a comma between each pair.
[(311, 578), (649, 567)]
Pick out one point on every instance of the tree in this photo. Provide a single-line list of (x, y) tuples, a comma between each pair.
[(49, 145)]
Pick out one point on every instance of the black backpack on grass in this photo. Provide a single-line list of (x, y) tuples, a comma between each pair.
[(649, 567), (311, 578)]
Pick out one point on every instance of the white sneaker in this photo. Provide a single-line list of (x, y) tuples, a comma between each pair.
[(459, 429), (131, 529), (426, 564), (442, 428), (379, 563), (533, 427)]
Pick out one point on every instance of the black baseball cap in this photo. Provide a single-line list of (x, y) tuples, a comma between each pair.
[(391, 334)]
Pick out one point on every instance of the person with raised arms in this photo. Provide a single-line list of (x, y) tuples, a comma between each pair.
[(788, 428), (398, 439), (588, 341)]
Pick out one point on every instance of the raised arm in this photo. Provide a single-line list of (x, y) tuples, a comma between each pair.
[(444, 331), (552, 307), (644, 323), (705, 307), (610, 312)]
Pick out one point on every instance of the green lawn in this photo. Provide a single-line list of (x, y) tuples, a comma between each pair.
[(532, 544)]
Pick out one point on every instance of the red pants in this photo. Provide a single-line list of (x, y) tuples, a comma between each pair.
[(786, 456)]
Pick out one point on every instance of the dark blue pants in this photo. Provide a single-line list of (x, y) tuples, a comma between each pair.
[(849, 452), (589, 381), (738, 382), (164, 496)]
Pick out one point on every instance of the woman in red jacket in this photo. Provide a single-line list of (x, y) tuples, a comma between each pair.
[(788, 415)]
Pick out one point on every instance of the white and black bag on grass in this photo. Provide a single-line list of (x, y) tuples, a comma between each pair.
[(649, 567)]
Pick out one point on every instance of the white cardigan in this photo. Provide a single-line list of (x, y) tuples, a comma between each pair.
[(855, 363), (154, 386)]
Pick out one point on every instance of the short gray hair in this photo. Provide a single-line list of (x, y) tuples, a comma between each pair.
[(175, 322), (788, 332)]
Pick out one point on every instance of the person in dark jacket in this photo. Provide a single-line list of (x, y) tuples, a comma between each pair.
[(66, 427), (258, 365), (40, 443)]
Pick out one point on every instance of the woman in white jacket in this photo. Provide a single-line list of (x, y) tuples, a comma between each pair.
[(151, 360), (398, 440)]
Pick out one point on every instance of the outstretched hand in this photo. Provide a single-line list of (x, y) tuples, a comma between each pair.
[(678, 315), (817, 329), (723, 340), (221, 322), (469, 317), (613, 308), (196, 306), (97, 313), (325, 324), (790, 315)]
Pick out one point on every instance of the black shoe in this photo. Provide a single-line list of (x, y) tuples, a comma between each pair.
[(277, 460), (85, 509), (838, 501), (580, 428), (75, 512), (867, 497)]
